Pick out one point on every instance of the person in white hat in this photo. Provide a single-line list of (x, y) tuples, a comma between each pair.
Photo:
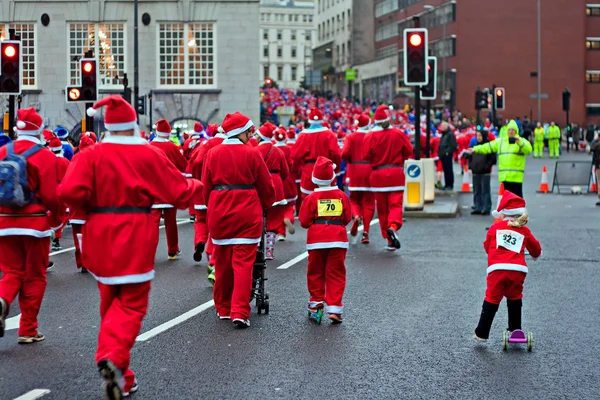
[(325, 213), (167, 211), (120, 235), (238, 190), (25, 228), (505, 245)]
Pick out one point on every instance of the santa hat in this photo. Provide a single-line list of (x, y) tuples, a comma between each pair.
[(61, 132), (198, 128), (55, 145), (119, 115), (48, 135), (291, 133), (235, 124), (266, 131), (510, 205), (86, 140), (253, 142), (92, 135), (324, 171), (315, 116), (280, 135), (362, 121), (381, 114), (29, 122), (163, 128), (212, 129)]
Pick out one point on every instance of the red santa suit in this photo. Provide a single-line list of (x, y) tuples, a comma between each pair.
[(120, 235), (194, 140), (167, 211), (296, 172), (359, 175), (238, 189), (25, 231), (312, 143), (55, 145), (386, 150), (289, 184), (325, 213)]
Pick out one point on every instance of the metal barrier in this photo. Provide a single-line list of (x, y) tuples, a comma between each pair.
[(572, 173)]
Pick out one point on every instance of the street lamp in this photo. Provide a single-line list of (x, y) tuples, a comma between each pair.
[(430, 7)]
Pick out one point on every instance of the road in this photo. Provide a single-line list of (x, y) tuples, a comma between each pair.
[(409, 318)]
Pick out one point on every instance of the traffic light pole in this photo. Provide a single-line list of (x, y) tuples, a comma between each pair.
[(11, 116), (136, 66), (417, 122), (89, 121), (150, 111), (428, 134)]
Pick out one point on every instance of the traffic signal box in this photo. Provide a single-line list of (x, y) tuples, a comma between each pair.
[(88, 91), (499, 98), (10, 67), (415, 57), (429, 91)]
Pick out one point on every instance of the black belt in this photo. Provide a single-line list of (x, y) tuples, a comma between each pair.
[(325, 221), (121, 210), (233, 187), (310, 161), (387, 166), (271, 171), (24, 215), (360, 163)]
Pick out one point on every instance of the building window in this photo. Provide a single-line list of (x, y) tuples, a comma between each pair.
[(593, 10), (266, 51), (293, 52), (310, 18), (386, 31), (280, 52), (384, 7), (293, 35), (296, 18), (279, 73), (266, 34), (187, 55), (444, 47), (27, 32), (294, 73), (108, 43), (307, 35), (592, 76), (405, 3), (439, 16), (386, 51), (592, 110), (266, 71), (592, 43), (279, 34)]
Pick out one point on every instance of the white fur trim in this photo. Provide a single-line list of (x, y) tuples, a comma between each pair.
[(388, 189), (359, 189), (91, 112), (315, 121), (25, 232), (163, 134), (512, 211), (262, 143), (232, 141), (334, 309), (123, 126), (364, 129), (280, 143), (327, 245), (326, 188), (160, 206), (78, 221), (124, 140), (305, 191), (292, 199), (200, 207), (220, 136), (314, 130), (263, 137), (28, 133), (322, 182), (237, 131), (226, 242), (30, 139), (21, 124), (507, 267), (280, 203), (125, 279), (381, 121)]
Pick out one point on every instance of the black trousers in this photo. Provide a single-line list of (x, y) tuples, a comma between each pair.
[(448, 168), (515, 187)]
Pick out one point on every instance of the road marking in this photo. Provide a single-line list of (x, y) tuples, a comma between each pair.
[(34, 394), (304, 255), (175, 321), (55, 253), (12, 323)]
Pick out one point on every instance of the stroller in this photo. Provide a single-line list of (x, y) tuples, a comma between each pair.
[(258, 276)]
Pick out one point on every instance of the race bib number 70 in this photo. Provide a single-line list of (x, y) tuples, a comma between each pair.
[(330, 208), (510, 240)]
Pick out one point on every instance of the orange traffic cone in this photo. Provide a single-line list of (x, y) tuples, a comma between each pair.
[(594, 187), (544, 184), (500, 194), (466, 183)]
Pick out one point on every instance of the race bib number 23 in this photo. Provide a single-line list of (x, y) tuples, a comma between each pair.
[(330, 208), (510, 240)]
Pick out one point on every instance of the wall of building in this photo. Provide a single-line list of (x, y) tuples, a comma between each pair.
[(235, 56)]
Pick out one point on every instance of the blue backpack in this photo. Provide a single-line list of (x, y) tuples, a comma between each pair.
[(14, 188)]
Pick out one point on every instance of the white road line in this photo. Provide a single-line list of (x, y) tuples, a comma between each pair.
[(55, 253), (34, 394), (12, 323), (175, 321)]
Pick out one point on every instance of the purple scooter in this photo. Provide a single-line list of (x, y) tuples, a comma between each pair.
[(517, 336)]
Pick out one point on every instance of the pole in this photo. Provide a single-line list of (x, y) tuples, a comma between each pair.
[(539, 59), (444, 64), (89, 121), (478, 120), (150, 104), (567, 126), (428, 131), (11, 116), (494, 104), (19, 100), (136, 75), (417, 24)]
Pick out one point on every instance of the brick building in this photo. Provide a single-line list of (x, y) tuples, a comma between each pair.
[(198, 58), (481, 43)]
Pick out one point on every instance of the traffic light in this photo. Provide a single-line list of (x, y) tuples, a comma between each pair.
[(415, 57), (481, 99), (429, 91), (499, 98), (10, 63), (566, 97), (141, 105), (89, 84)]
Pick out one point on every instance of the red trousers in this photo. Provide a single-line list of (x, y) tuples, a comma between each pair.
[(233, 279), (363, 205), (289, 213), (326, 278), (389, 209), (275, 217), (200, 228), (170, 217), (23, 260), (122, 309), (58, 234), (77, 230), (507, 284), (301, 196)]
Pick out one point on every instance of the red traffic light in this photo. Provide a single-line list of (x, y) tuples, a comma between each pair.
[(10, 51), (74, 94), (415, 40), (88, 67), (499, 92)]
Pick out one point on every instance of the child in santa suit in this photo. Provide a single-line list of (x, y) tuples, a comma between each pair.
[(120, 235), (278, 168), (25, 230), (505, 245), (289, 186), (167, 211), (325, 213), (238, 190), (55, 146)]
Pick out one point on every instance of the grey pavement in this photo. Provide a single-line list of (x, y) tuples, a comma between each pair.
[(409, 318)]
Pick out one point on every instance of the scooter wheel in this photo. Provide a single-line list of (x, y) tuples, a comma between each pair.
[(319, 316), (529, 341), (504, 340)]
